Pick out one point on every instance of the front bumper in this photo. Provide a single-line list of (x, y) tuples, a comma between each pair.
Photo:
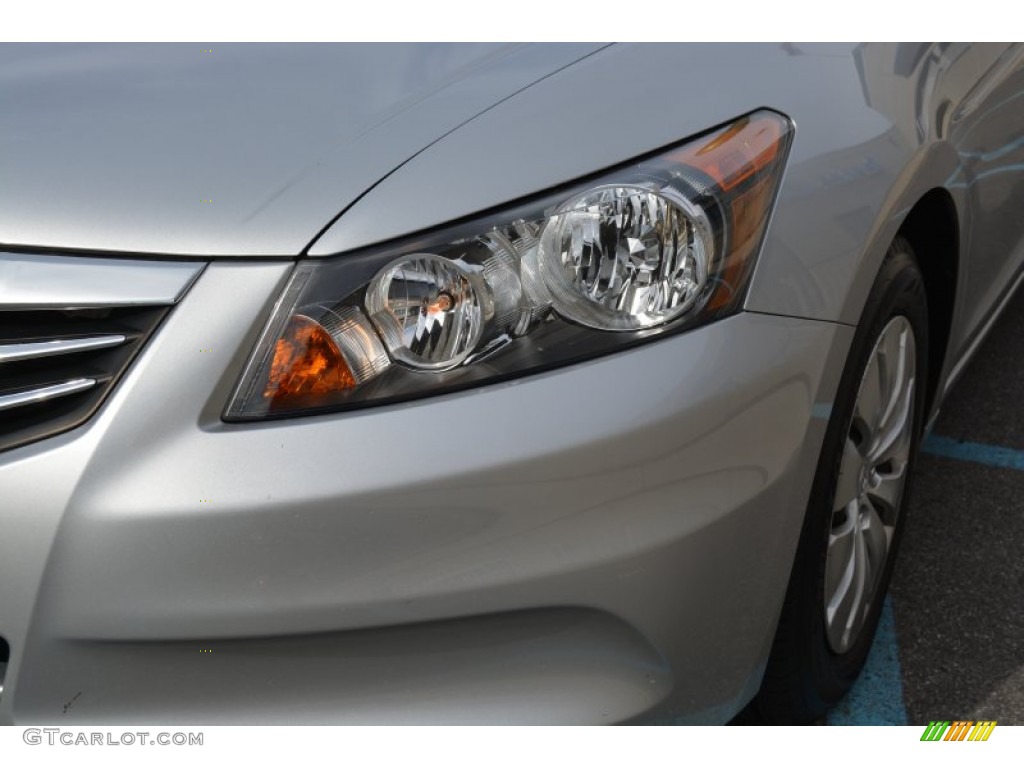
[(601, 543)]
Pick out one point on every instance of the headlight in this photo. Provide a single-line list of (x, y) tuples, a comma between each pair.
[(656, 246)]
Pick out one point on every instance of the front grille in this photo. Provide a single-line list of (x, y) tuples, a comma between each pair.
[(58, 363), (57, 366)]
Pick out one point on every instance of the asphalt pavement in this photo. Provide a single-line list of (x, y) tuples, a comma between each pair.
[(951, 642)]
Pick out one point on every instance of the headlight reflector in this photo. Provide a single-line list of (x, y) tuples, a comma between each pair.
[(427, 310), (622, 258)]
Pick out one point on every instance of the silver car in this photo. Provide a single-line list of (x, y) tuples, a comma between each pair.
[(478, 383)]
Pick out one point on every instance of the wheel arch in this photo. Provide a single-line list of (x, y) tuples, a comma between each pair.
[(927, 209), (932, 227)]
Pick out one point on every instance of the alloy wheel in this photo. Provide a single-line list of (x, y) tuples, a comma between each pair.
[(871, 482)]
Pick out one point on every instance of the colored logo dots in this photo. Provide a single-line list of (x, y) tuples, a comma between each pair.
[(959, 730)]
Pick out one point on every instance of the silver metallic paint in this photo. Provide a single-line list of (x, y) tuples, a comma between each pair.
[(319, 526), (616, 568), (248, 150)]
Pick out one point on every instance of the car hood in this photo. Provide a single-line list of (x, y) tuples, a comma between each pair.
[(227, 150)]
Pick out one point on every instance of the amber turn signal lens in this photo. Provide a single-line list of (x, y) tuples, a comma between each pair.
[(733, 155), (742, 160), (306, 361)]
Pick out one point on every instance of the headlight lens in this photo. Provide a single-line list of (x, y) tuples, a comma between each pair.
[(621, 258), (659, 245), (428, 311)]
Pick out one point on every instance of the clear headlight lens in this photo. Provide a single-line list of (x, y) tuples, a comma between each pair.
[(621, 258), (427, 310), (662, 244)]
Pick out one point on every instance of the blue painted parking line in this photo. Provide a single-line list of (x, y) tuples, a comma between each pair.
[(877, 696), (993, 455)]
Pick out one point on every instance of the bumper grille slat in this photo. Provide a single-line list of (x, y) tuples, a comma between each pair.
[(28, 350), (41, 394)]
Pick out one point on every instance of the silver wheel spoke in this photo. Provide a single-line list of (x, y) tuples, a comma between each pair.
[(893, 435), (894, 442), (840, 571), (854, 609), (876, 543), (869, 487), (868, 409), (893, 365), (850, 469)]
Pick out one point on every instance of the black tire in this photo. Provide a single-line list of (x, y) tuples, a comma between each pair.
[(805, 676)]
